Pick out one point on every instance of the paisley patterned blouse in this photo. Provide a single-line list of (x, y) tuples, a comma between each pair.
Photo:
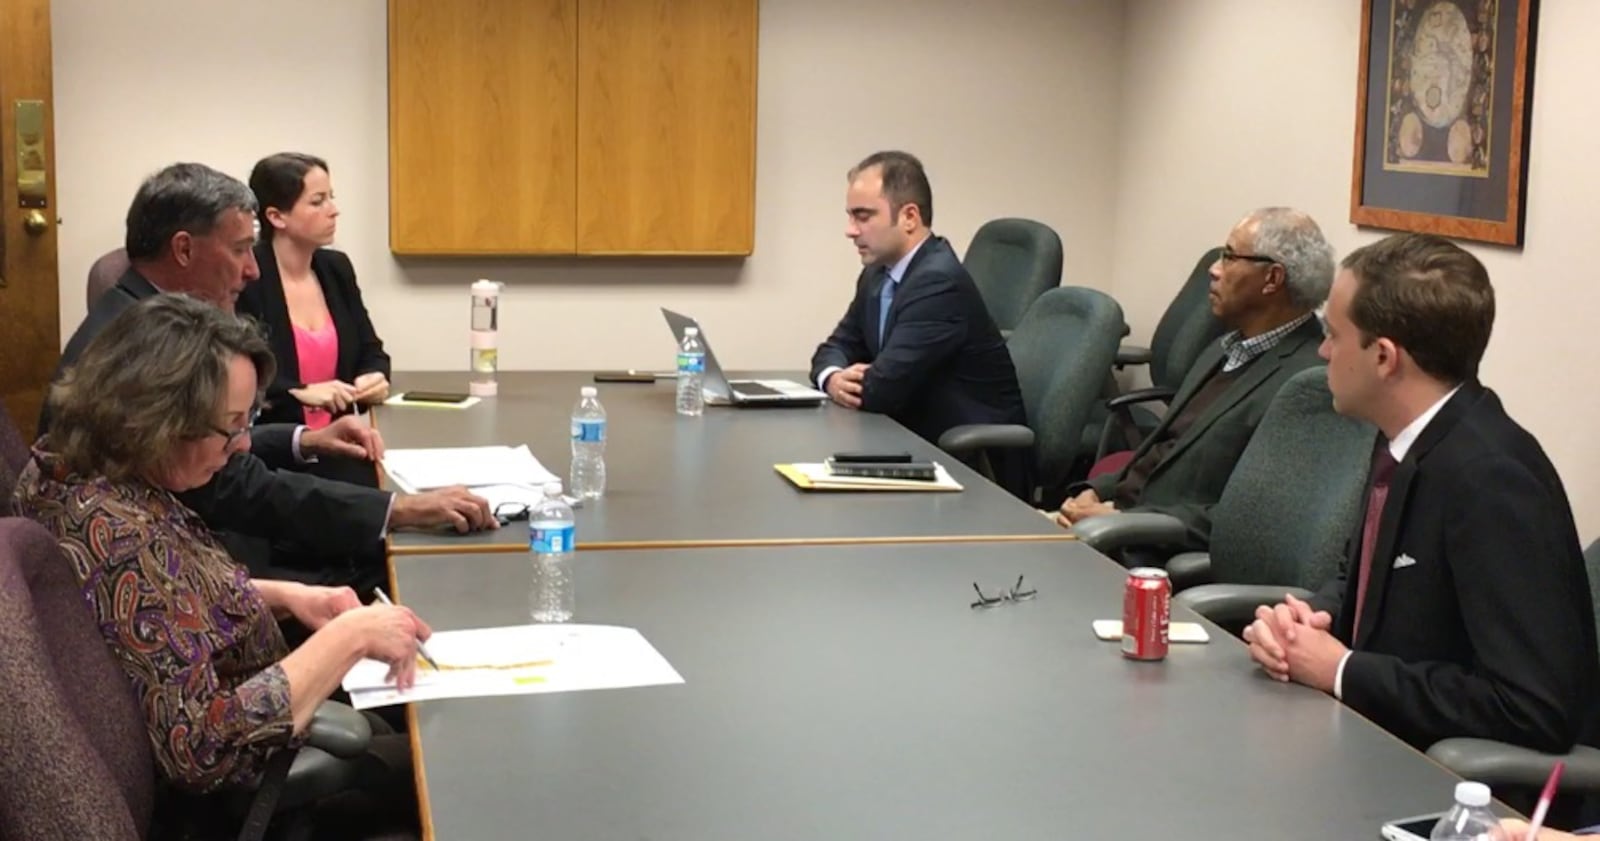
[(181, 618)]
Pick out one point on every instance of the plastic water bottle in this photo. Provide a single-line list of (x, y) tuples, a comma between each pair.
[(550, 542), (1470, 819), (691, 374), (588, 477)]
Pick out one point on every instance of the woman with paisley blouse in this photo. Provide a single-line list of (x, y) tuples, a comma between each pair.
[(157, 404)]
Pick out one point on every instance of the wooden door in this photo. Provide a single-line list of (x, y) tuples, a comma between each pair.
[(30, 331), (666, 126)]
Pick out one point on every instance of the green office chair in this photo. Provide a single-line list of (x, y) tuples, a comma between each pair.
[(1284, 517), (1183, 333), (1013, 262), (1061, 349)]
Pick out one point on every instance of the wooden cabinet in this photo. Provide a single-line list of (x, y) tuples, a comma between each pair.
[(572, 126)]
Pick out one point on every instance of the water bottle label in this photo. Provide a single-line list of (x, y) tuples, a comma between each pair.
[(589, 431), (691, 363), (547, 541)]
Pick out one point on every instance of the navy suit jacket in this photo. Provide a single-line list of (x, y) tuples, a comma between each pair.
[(941, 362), (248, 496), (1478, 619)]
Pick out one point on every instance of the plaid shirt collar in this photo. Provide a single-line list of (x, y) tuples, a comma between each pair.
[(1241, 351)]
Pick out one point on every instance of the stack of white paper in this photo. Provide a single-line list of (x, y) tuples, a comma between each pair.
[(425, 469), (516, 660)]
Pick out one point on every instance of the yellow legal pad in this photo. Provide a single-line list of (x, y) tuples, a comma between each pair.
[(816, 477)]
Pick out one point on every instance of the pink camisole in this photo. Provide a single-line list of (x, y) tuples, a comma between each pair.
[(318, 354)]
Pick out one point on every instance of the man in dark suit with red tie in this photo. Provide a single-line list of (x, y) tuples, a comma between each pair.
[(917, 343), (1464, 607)]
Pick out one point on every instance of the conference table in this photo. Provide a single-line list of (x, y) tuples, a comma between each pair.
[(851, 692), (702, 481), (837, 681)]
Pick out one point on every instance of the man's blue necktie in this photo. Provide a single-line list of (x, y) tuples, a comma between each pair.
[(885, 298)]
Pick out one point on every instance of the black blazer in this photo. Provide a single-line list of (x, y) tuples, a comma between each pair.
[(1189, 480), (360, 349), (1478, 620), (248, 496), (943, 362)]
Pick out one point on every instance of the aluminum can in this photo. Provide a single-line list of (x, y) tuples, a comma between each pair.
[(1146, 613)]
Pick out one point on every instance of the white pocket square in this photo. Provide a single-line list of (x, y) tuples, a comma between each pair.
[(1404, 561)]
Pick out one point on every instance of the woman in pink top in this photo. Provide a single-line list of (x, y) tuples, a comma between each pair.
[(330, 360)]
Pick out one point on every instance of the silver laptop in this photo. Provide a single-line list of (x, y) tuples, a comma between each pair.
[(724, 392)]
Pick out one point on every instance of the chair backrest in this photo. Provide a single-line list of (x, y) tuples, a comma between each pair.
[(104, 274), (75, 759), (1591, 562), (1062, 348), (1013, 261), (13, 457), (1186, 328), (1294, 497)]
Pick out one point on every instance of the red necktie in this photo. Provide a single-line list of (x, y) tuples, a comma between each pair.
[(1383, 465)]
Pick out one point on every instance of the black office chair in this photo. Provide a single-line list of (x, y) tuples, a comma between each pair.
[(1061, 349), (1183, 333), (1013, 262), (1283, 519)]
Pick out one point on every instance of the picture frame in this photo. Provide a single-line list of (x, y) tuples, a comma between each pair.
[(1444, 94)]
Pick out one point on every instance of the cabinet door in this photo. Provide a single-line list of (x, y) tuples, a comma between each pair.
[(666, 126), (482, 134)]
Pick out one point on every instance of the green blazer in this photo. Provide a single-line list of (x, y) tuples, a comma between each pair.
[(1189, 480)]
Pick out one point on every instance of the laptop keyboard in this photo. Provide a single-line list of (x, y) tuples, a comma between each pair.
[(747, 388)]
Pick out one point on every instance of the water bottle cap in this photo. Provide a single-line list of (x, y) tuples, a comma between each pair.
[(1472, 794), (588, 391), (691, 331), (486, 287), (552, 488)]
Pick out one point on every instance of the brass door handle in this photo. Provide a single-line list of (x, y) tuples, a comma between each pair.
[(35, 223)]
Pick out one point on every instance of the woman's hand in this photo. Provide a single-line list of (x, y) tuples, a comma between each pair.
[(391, 634), (371, 388), (333, 395), (316, 606)]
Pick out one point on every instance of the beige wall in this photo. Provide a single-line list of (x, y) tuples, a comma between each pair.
[(1012, 117), (1232, 104)]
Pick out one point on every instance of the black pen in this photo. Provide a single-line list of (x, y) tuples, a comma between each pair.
[(384, 597)]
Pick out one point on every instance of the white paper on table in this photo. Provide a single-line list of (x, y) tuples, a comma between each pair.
[(518, 660), (417, 470)]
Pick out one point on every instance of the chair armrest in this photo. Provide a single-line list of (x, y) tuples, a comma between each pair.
[(339, 730), (979, 436), (1114, 532), (1499, 764), (1189, 569), (313, 775), (1233, 606), (1141, 395), (1133, 355)]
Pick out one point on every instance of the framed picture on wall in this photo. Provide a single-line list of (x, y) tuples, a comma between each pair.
[(1444, 92)]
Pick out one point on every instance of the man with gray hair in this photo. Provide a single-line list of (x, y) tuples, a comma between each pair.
[(1274, 270), (191, 230)]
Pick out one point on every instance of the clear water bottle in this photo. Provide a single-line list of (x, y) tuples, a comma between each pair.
[(1470, 819), (550, 543), (588, 477), (485, 341), (691, 374)]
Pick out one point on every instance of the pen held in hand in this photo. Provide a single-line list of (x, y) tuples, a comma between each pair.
[(1549, 794), (421, 649)]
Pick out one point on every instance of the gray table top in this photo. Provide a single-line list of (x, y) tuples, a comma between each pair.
[(850, 692), (705, 481)]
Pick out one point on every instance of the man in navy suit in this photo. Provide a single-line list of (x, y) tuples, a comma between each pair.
[(1464, 607), (917, 343)]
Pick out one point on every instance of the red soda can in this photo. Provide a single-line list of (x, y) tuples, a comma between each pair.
[(1146, 612)]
